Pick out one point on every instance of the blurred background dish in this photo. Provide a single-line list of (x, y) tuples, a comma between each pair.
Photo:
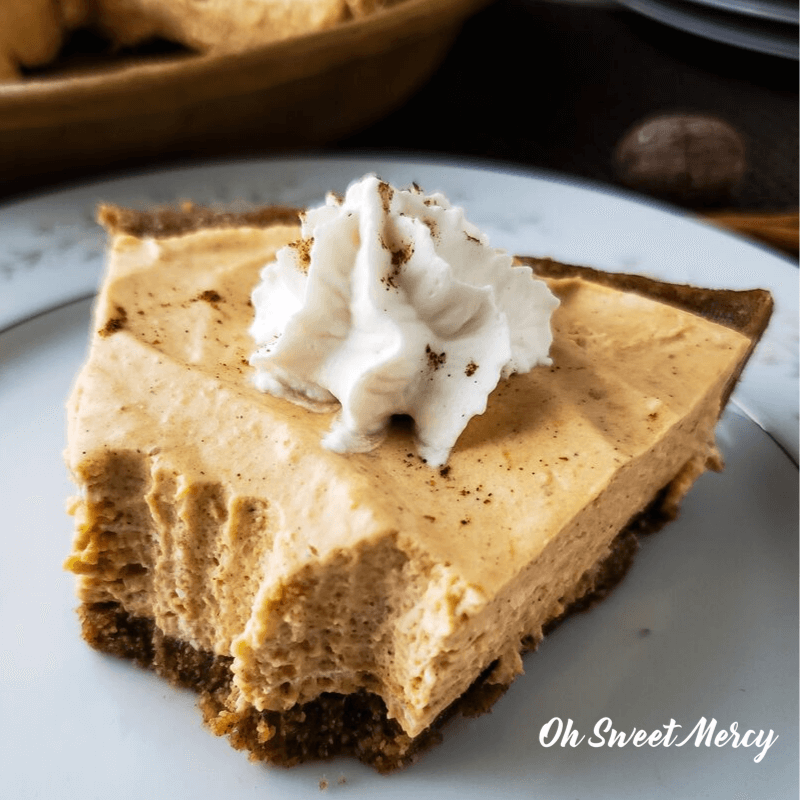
[(763, 26), (303, 91), (777, 10)]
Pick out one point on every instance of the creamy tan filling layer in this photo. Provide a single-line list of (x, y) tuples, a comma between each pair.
[(214, 510)]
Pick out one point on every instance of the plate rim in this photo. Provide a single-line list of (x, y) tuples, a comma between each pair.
[(771, 10), (423, 158)]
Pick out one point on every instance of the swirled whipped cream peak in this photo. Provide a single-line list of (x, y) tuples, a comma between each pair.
[(392, 303)]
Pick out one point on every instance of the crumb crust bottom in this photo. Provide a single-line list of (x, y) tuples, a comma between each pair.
[(333, 724)]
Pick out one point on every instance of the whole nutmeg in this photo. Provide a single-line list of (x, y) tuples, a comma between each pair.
[(688, 158)]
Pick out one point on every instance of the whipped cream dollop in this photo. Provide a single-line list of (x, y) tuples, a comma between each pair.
[(393, 303)]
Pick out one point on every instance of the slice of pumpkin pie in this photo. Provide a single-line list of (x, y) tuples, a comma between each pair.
[(276, 505)]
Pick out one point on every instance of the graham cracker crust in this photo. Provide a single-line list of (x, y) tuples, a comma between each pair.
[(188, 217)]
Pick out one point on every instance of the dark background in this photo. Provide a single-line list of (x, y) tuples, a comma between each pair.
[(556, 85)]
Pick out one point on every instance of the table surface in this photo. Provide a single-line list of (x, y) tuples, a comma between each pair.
[(554, 86)]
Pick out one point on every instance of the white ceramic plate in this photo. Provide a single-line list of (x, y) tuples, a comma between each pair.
[(720, 21), (705, 625)]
